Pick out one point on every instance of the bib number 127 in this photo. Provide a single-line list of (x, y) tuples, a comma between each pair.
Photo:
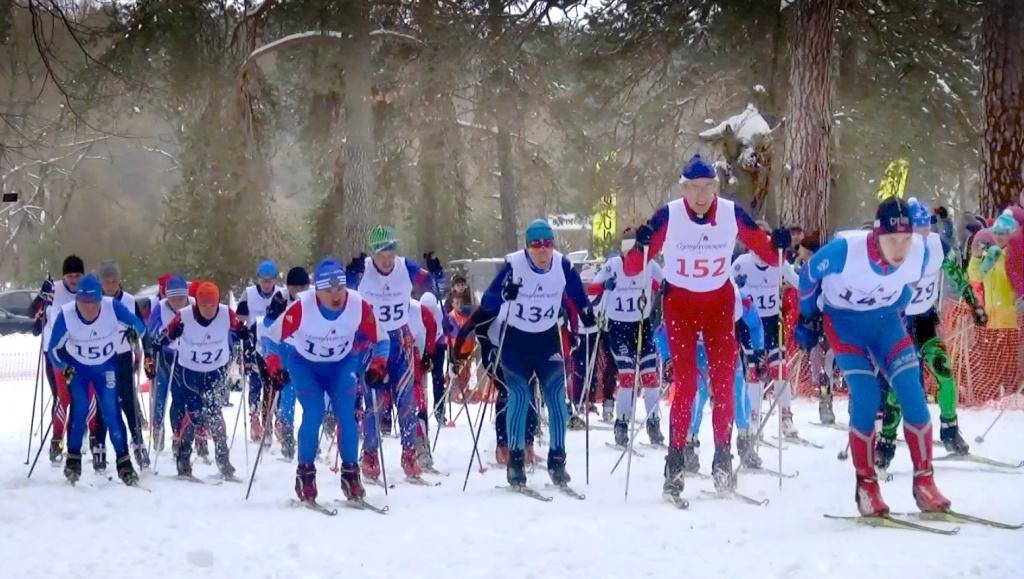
[(698, 268)]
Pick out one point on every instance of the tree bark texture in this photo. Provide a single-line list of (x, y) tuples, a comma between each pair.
[(1003, 89)]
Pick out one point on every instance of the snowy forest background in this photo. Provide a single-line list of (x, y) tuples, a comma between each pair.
[(201, 136)]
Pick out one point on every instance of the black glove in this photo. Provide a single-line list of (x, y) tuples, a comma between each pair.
[(808, 331), (357, 266), (279, 379), (644, 235), (433, 263), (782, 238), (759, 360), (510, 291), (46, 291), (130, 335), (426, 364), (276, 306), (69, 373), (149, 367), (161, 340)]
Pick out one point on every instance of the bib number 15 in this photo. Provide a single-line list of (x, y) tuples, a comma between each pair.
[(698, 268)]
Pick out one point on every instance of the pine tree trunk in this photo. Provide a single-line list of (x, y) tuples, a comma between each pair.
[(503, 95), (807, 179), (1003, 89), (359, 182)]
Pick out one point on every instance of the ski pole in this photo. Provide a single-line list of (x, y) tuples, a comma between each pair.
[(36, 387), (380, 442), (259, 451), (642, 303), (981, 439), (587, 382), (42, 441), (782, 359), (764, 421), (167, 402)]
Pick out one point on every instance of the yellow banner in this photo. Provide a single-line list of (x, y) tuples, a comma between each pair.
[(894, 182), (603, 225)]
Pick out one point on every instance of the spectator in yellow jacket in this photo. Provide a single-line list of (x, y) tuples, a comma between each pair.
[(990, 270)]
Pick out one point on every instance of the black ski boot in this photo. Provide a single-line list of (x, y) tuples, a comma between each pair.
[(141, 454), (747, 450), (350, 483), (227, 470), (691, 455), (607, 411), (654, 431), (516, 468), (721, 469), (621, 431), (825, 413), (184, 465), (556, 468), (674, 469), (949, 434), (73, 467), (56, 451), (576, 423), (288, 445), (99, 458), (125, 470), (885, 450)]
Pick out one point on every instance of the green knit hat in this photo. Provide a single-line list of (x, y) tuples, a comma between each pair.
[(382, 238)]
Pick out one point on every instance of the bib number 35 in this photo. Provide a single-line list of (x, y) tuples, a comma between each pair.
[(699, 268)]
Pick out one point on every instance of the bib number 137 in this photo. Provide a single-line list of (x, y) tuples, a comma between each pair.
[(698, 268)]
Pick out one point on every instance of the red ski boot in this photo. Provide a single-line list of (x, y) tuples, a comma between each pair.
[(255, 427), (409, 463), (868, 494), (928, 496), (370, 464), (501, 455), (350, 483), (305, 482)]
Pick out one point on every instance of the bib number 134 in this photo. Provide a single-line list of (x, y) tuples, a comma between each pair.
[(698, 268)]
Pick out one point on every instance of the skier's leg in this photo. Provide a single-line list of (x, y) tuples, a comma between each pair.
[(105, 387), (403, 388), (682, 330), (126, 395), (343, 397), (701, 398), (720, 341), (551, 374), (79, 391), (516, 362), (437, 380), (310, 395)]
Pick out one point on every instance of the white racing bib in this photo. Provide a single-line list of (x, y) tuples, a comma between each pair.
[(859, 288), (389, 293), (61, 296), (318, 339), (128, 301), (762, 285), (697, 256), (927, 290), (535, 309), (622, 304), (94, 343), (204, 348)]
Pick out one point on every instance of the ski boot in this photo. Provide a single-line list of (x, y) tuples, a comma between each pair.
[(255, 427), (788, 428), (556, 468), (184, 465), (674, 469), (691, 456), (654, 434), (516, 470), (501, 455), (747, 450), (928, 496), (825, 412), (350, 483), (370, 464), (305, 482), (885, 450), (56, 451), (423, 456), (721, 469), (607, 411), (227, 470), (409, 463), (867, 493), (141, 454), (621, 431), (949, 433), (288, 445), (73, 467), (576, 423), (125, 470), (99, 458), (203, 450)]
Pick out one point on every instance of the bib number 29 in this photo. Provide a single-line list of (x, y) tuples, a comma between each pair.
[(698, 268)]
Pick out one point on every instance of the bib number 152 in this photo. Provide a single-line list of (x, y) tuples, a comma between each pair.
[(698, 268)]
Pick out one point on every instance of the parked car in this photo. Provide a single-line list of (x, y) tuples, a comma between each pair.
[(14, 323), (18, 302)]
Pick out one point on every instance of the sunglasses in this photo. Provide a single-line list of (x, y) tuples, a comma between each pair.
[(546, 243)]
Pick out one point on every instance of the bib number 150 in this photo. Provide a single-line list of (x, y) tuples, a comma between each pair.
[(698, 268)]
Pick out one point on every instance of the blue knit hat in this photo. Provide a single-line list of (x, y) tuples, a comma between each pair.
[(539, 230), (329, 274), (266, 270), (919, 214), (1005, 224), (893, 216), (177, 287), (696, 168), (89, 289)]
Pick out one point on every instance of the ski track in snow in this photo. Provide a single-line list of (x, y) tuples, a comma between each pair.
[(103, 529)]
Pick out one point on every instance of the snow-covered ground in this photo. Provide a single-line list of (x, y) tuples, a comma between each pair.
[(103, 529)]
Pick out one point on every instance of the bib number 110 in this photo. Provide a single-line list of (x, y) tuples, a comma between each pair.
[(698, 268)]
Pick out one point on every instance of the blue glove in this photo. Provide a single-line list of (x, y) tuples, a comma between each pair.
[(808, 331), (609, 284), (357, 266)]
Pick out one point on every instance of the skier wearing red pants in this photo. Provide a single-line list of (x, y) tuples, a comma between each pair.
[(697, 235)]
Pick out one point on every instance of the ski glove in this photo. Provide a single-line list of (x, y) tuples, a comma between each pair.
[(782, 238), (69, 373), (644, 235), (276, 306), (377, 372), (433, 263), (273, 372), (510, 291), (808, 331), (426, 364), (357, 266), (149, 367)]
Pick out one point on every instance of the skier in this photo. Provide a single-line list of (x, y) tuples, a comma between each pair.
[(386, 281), (425, 332), (628, 306), (251, 310), (177, 299), (203, 332), (528, 292), (922, 320), (296, 282), (83, 341), (865, 280), (334, 340), (763, 283), (437, 378), (131, 408), (697, 234)]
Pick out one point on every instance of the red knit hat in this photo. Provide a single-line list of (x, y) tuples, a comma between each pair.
[(207, 294)]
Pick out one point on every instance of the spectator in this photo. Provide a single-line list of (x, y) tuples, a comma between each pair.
[(989, 268)]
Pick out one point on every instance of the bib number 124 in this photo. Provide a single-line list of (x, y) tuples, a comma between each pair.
[(698, 268)]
